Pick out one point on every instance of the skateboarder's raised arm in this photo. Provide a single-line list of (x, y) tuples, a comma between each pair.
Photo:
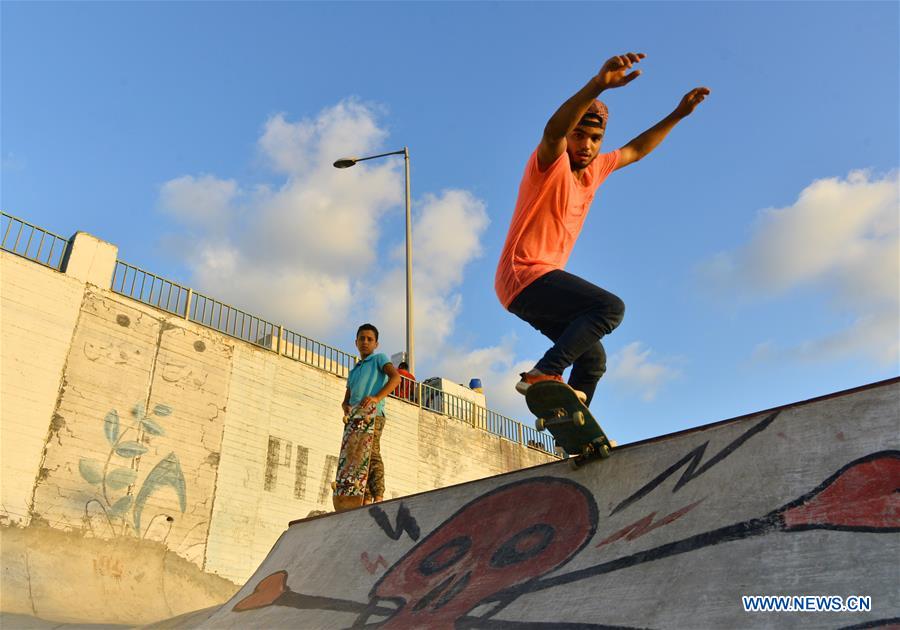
[(614, 73), (650, 139)]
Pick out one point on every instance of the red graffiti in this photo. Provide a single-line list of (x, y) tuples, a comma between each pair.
[(863, 495), (502, 539), (371, 566), (646, 525)]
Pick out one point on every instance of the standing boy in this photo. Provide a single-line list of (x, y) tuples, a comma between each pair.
[(555, 195), (368, 384)]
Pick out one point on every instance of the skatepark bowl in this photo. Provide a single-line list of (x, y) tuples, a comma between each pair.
[(672, 532)]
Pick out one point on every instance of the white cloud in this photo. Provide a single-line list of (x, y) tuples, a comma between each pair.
[(311, 145), (446, 237), (497, 367), (877, 335), (204, 200), (309, 251), (841, 236), (632, 368)]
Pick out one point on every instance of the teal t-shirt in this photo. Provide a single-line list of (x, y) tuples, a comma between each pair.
[(367, 377)]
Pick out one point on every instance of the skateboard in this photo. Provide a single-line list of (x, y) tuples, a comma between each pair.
[(353, 462), (559, 411)]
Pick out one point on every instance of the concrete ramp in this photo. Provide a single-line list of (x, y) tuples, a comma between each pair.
[(669, 533)]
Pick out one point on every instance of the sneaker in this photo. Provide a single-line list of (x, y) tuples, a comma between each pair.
[(530, 378)]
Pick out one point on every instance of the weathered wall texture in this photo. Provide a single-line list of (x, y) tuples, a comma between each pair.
[(38, 310), (138, 427), (68, 577), (120, 421)]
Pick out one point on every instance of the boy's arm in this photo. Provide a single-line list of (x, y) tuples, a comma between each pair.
[(613, 74), (650, 139), (391, 385), (346, 404)]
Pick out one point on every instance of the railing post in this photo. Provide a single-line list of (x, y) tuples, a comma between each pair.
[(519, 437), (419, 393), (187, 304), (278, 344)]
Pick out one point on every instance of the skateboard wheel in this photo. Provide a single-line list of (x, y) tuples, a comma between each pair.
[(539, 424), (603, 449), (578, 418)]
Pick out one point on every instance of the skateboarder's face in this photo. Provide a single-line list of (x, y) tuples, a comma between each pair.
[(583, 145), (366, 343)]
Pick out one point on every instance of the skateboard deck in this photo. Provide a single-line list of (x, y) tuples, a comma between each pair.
[(559, 411), (356, 449)]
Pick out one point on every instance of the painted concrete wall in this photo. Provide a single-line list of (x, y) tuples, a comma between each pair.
[(38, 311), (669, 533), (122, 422)]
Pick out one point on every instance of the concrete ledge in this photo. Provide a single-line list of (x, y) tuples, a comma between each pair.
[(90, 260)]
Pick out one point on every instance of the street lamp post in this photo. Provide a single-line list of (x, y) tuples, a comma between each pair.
[(410, 342)]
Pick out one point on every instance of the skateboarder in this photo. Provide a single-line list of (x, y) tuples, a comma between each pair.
[(559, 183), (360, 474)]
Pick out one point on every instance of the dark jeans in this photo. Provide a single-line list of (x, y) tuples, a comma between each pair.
[(574, 314)]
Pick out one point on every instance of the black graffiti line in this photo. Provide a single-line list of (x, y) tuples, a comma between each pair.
[(372, 608), (405, 522), (693, 460), (739, 531), (772, 522), (312, 602), (300, 601)]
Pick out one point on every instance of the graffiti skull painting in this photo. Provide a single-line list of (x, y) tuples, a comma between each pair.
[(501, 540)]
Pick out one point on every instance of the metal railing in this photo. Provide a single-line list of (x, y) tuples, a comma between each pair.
[(229, 320), (31, 242), (437, 400), (317, 354), (149, 288)]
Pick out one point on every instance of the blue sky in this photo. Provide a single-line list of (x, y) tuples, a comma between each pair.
[(756, 249)]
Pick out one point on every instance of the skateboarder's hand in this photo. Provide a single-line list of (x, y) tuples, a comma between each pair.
[(346, 408), (368, 401), (615, 72), (690, 101)]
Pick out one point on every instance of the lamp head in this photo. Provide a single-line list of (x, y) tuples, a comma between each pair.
[(345, 163)]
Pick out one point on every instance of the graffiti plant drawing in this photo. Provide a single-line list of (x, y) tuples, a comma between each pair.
[(116, 475)]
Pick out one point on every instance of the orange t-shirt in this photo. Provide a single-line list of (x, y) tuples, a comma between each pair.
[(549, 213)]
